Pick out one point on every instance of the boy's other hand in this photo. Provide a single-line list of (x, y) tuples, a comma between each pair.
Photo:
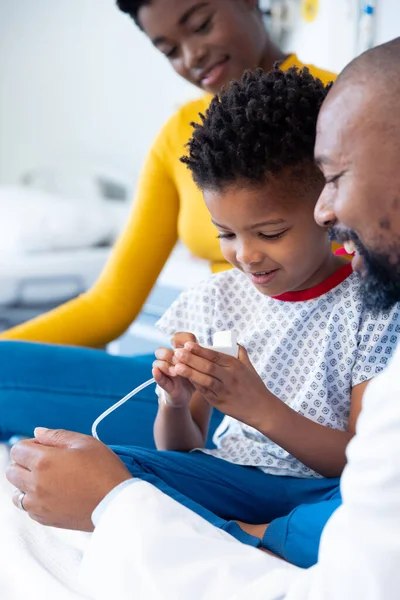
[(179, 389)]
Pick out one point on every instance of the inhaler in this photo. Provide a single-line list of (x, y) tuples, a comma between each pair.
[(223, 341)]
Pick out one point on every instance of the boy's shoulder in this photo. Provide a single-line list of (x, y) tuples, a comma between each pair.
[(366, 324), (224, 281), (206, 307), (345, 300), (349, 290), (234, 283), (220, 291)]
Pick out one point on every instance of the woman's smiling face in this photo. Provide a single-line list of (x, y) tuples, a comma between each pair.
[(208, 43)]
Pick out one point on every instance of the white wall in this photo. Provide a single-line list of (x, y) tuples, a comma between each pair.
[(79, 83), (387, 20), (331, 40)]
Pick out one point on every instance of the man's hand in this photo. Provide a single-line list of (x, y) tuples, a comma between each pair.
[(65, 475), (179, 389), (232, 385)]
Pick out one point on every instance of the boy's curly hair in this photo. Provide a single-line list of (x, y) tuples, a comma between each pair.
[(260, 125)]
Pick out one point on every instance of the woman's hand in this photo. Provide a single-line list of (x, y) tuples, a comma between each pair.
[(232, 385), (179, 389)]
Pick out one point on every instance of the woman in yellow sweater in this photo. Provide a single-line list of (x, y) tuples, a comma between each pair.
[(60, 382)]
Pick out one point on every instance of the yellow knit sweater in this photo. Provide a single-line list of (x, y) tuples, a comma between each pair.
[(168, 206)]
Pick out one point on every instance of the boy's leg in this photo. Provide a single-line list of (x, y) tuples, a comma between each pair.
[(66, 387), (296, 537), (231, 492), (222, 493)]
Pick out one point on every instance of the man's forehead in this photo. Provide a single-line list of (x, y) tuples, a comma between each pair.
[(341, 118)]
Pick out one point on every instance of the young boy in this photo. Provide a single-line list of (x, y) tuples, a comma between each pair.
[(307, 346)]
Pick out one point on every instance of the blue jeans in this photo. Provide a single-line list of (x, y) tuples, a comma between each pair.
[(222, 492), (65, 387)]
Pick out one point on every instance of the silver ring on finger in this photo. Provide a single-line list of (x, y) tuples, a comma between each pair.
[(20, 501)]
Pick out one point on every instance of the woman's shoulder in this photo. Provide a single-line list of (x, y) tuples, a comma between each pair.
[(178, 127), (324, 75), (191, 110), (176, 132)]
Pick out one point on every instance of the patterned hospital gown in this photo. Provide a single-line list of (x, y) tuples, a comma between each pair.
[(309, 353)]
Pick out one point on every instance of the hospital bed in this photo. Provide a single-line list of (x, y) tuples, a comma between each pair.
[(33, 284), (56, 233)]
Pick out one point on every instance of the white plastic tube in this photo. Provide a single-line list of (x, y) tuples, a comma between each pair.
[(105, 414), (223, 341)]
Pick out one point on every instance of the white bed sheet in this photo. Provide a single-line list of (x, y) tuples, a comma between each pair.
[(46, 563), (49, 277), (32, 220), (44, 277), (39, 563)]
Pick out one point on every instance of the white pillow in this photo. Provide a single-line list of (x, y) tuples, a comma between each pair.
[(36, 221)]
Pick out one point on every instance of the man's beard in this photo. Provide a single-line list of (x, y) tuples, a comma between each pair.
[(380, 281)]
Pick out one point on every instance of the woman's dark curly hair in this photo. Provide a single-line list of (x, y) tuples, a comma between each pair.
[(260, 125), (132, 7)]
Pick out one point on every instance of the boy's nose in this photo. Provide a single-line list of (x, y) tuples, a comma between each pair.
[(248, 255)]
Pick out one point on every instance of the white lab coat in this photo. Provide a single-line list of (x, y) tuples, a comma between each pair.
[(148, 547)]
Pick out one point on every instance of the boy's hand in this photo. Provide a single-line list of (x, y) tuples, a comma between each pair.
[(178, 388), (232, 385)]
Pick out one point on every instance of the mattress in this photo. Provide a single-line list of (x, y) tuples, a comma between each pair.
[(35, 283), (32, 284)]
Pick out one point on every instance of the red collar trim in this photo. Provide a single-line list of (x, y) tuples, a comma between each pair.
[(320, 289)]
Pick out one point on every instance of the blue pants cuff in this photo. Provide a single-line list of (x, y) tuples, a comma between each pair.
[(237, 532), (275, 536)]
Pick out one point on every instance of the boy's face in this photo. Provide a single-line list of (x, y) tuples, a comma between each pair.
[(270, 234)]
